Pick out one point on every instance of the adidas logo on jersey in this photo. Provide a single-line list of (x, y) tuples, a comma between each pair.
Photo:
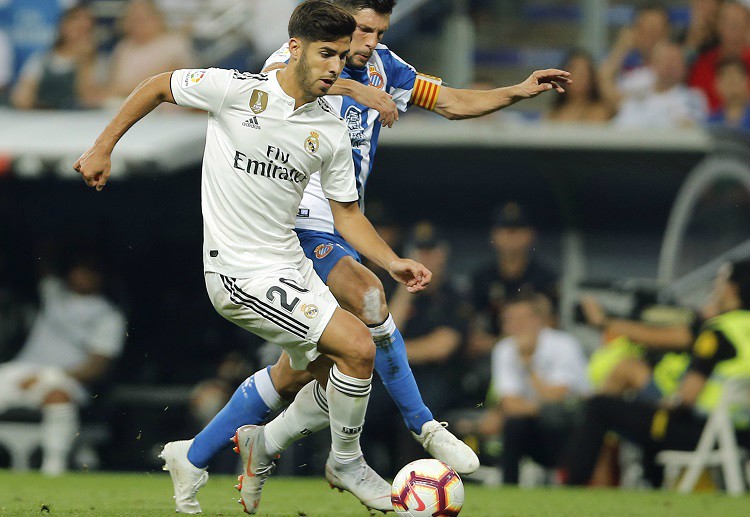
[(252, 122)]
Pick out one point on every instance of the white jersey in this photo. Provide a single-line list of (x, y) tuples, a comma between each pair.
[(260, 153), (385, 71)]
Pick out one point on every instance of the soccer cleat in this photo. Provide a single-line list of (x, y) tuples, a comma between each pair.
[(186, 477), (364, 483), (441, 444), (250, 444)]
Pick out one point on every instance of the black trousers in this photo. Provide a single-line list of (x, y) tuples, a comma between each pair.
[(530, 436), (652, 428)]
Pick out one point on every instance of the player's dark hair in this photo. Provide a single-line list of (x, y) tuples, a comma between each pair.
[(379, 6), (320, 20), (741, 278)]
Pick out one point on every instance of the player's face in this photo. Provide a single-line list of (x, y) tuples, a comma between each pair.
[(320, 64), (371, 27)]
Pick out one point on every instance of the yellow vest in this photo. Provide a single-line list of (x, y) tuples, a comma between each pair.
[(735, 325)]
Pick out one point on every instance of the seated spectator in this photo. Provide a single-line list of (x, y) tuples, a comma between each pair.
[(147, 49), (513, 269), (6, 65), (732, 86), (670, 104), (65, 77), (537, 373), (733, 28), (721, 352), (75, 337), (626, 69), (702, 32), (582, 100)]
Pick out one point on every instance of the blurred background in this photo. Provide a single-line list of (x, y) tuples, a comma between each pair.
[(631, 190)]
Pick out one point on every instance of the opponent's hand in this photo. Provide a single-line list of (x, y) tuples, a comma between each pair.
[(380, 101), (544, 80), (94, 165), (410, 273)]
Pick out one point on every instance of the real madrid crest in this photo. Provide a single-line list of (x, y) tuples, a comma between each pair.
[(309, 310), (258, 101), (313, 142)]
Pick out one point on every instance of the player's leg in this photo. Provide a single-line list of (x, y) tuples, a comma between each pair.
[(360, 292)]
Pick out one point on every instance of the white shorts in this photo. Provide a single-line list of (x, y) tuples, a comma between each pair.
[(49, 378), (289, 307)]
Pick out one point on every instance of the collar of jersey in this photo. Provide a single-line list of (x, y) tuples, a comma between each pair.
[(273, 82)]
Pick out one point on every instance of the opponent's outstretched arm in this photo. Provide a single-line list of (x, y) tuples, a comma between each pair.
[(455, 104), (357, 230), (95, 164)]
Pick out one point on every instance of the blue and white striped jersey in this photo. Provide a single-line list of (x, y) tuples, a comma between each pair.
[(385, 71)]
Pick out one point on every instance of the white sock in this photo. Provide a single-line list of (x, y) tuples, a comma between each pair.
[(382, 334), (347, 404), (307, 414), (59, 428), (266, 389)]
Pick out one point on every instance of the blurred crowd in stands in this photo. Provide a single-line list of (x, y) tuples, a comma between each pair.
[(656, 74), (488, 355)]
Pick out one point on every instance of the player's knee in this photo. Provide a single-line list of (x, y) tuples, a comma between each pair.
[(371, 307), (56, 397)]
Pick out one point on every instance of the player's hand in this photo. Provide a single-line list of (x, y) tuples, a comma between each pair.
[(380, 101), (94, 165), (544, 80), (410, 273)]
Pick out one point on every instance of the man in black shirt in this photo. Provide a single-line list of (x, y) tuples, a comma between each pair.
[(720, 352)]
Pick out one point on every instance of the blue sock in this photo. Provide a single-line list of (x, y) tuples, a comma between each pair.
[(392, 365), (251, 403)]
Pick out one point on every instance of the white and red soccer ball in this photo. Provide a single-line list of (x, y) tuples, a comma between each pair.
[(427, 488)]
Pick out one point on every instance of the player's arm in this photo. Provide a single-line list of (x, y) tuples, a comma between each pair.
[(357, 230), (94, 165), (457, 104)]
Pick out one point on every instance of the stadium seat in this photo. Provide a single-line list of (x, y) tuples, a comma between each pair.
[(717, 447)]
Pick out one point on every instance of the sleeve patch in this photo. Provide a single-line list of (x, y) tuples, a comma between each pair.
[(193, 77), (425, 91), (706, 345)]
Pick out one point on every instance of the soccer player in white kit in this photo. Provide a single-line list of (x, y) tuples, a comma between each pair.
[(267, 133)]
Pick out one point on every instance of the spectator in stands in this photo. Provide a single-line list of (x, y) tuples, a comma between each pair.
[(720, 353), (669, 104), (66, 76), (702, 33), (147, 49), (539, 375), (76, 335), (512, 270), (582, 100), (732, 79), (733, 30), (6, 65)]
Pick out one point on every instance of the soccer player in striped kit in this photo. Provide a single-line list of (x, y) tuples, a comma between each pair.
[(374, 78)]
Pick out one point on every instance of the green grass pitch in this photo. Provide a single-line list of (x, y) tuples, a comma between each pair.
[(149, 494)]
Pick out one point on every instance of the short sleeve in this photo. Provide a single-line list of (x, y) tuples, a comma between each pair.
[(203, 89), (401, 77), (506, 373), (281, 56), (337, 175), (107, 335)]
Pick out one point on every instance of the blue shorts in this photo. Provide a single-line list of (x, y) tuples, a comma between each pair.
[(325, 250)]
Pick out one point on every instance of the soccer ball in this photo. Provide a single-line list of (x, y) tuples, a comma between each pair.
[(427, 488)]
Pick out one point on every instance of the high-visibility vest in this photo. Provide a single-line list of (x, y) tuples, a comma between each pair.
[(735, 325)]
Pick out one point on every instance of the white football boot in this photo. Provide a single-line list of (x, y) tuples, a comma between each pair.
[(442, 445), (364, 483), (186, 477), (257, 465)]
